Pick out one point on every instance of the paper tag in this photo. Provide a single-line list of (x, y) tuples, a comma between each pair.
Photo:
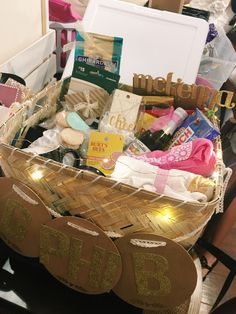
[(68, 46), (124, 110), (103, 149), (5, 114)]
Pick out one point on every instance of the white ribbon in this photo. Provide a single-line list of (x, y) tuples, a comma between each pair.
[(87, 107)]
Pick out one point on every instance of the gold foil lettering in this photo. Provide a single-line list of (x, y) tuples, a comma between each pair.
[(185, 91), (112, 120), (52, 243), (135, 80), (174, 87), (168, 83), (103, 269), (143, 82), (217, 100), (120, 122), (194, 94), (143, 276), (113, 264), (203, 94), (149, 83), (15, 221), (97, 261), (159, 85), (75, 261)]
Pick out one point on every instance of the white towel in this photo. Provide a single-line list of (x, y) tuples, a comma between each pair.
[(46, 143), (174, 183)]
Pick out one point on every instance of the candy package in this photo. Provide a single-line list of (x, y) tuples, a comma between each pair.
[(196, 125)]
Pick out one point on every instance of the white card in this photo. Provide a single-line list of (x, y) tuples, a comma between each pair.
[(124, 110), (5, 114)]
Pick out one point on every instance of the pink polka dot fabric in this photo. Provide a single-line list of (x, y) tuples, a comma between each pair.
[(197, 156)]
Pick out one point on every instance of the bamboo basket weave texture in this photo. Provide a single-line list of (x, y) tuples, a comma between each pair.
[(117, 208)]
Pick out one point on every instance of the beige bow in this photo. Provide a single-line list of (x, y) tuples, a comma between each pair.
[(87, 108)]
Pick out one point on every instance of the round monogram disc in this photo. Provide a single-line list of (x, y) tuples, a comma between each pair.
[(80, 255), (21, 215), (157, 273)]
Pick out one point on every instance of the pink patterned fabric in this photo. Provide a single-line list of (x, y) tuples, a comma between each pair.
[(197, 156)]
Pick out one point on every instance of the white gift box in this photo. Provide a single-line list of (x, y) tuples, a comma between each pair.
[(28, 43)]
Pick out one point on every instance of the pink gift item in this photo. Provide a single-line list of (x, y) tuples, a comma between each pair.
[(161, 122), (61, 11), (202, 81), (9, 94), (197, 156)]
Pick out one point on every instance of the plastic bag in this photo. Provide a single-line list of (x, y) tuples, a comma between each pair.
[(218, 60)]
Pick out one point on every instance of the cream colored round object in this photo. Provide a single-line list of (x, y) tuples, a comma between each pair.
[(71, 138), (61, 119)]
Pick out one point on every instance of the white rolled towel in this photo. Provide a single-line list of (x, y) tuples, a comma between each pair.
[(174, 183)]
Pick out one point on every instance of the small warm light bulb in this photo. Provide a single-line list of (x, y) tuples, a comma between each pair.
[(219, 154), (165, 214), (166, 217), (37, 175), (215, 175), (105, 160)]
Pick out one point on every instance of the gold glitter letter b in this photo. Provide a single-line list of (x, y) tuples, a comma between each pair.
[(143, 277)]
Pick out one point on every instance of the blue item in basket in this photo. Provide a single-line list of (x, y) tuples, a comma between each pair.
[(76, 122), (196, 125)]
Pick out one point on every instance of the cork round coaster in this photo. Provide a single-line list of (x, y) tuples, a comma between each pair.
[(22, 213), (80, 255), (157, 273)]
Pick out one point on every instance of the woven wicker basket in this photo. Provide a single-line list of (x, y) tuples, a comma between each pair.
[(117, 208)]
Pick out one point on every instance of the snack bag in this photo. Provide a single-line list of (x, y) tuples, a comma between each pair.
[(196, 125)]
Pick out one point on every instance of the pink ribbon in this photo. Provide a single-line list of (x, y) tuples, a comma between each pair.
[(161, 180)]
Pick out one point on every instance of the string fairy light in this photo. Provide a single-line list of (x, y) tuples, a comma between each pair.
[(36, 175), (167, 217), (165, 214)]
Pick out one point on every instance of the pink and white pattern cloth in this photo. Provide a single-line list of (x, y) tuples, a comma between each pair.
[(197, 156), (178, 184)]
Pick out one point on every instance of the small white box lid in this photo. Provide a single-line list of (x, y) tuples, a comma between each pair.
[(155, 42)]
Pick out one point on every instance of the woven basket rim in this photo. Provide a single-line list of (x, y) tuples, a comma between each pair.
[(90, 175)]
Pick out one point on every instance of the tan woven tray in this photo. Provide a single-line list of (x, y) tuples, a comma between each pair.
[(117, 208)]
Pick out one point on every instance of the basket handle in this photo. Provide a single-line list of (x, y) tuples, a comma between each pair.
[(227, 175), (82, 229), (23, 195), (147, 243)]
